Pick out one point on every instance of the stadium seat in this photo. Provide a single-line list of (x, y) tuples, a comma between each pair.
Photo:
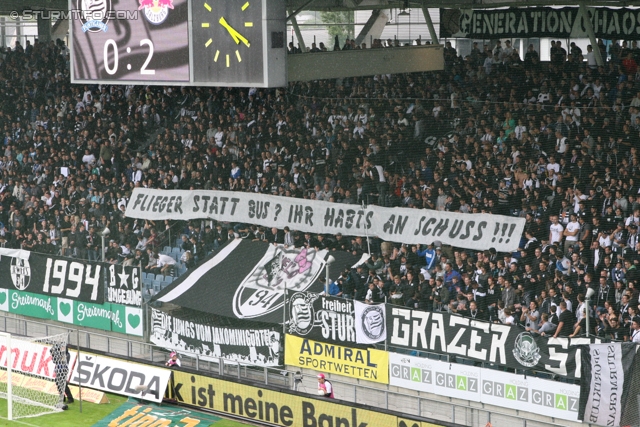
[(159, 277), (176, 251), (166, 250), (168, 279), (157, 286), (144, 276), (181, 271), (147, 284)]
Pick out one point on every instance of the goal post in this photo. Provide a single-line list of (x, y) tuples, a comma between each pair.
[(33, 374)]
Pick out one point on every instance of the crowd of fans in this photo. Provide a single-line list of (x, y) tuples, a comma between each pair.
[(554, 143)]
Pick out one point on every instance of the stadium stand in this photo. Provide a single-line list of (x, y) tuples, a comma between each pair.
[(555, 143)]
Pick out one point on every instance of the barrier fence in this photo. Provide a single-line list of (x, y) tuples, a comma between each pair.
[(382, 396)]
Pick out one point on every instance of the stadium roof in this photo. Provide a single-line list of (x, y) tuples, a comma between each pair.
[(7, 6)]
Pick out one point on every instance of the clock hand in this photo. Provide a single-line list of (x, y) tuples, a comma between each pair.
[(231, 31), (237, 37)]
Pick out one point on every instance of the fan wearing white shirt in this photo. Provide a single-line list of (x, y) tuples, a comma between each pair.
[(561, 144), (520, 129), (555, 231), (553, 164), (571, 232), (635, 330), (578, 196)]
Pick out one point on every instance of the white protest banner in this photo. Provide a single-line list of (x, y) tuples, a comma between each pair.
[(120, 377), (405, 225)]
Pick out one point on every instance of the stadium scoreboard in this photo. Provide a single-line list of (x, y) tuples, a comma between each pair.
[(179, 42)]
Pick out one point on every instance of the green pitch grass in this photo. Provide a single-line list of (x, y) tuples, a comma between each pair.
[(91, 414)]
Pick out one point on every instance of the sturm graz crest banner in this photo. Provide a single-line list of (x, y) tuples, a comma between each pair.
[(76, 280), (247, 279), (262, 290), (321, 318), (504, 345), (212, 337), (370, 322)]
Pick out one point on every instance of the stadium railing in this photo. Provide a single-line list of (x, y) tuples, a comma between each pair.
[(383, 396)]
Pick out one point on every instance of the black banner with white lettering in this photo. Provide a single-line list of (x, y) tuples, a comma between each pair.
[(321, 318), (566, 22), (77, 280), (509, 346), (247, 279), (606, 384), (213, 337), (123, 285)]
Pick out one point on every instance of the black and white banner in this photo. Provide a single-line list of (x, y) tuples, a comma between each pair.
[(413, 226), (606, 384), (77, 280), (321, 318), (211, 337), (566, 22), (505, 345), (371, 323), (120, 377), (247, 279), (123, 285)]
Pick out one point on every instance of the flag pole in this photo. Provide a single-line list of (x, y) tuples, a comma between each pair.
[(366, 230), (284, 310)]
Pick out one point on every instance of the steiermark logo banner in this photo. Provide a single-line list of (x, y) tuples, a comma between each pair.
[(127, 320), (32, 305), (105, 317)]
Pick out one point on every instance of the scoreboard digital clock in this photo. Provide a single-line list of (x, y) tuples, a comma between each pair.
[(179, 42)]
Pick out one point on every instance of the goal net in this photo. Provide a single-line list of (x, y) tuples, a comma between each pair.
[(34, 374)]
